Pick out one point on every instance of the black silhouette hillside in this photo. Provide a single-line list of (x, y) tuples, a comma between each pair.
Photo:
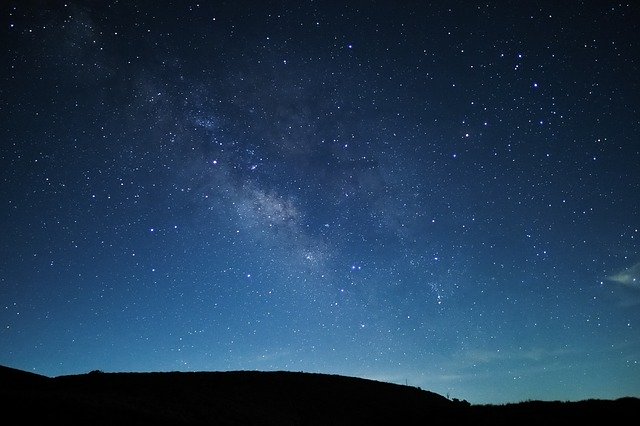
[(262, 398), (244, 398)]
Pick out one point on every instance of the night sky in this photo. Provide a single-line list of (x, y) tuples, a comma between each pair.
[(440, 194)]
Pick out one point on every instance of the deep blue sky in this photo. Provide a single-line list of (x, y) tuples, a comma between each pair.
[(444, 194)]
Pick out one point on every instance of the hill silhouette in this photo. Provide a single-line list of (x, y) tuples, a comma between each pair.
[(263, 398)]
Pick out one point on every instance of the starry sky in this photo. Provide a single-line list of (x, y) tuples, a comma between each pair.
[(440, 194)]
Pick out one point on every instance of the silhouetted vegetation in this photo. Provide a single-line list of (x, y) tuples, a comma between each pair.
[(265, 398)]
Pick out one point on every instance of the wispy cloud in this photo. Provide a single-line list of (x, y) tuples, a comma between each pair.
[(629, 277), (483, 356)]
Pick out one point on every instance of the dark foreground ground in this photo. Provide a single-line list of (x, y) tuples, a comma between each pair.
[(266, 398)]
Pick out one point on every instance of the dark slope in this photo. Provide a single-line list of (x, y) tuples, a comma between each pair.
[(18, 379), (266, 398)]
